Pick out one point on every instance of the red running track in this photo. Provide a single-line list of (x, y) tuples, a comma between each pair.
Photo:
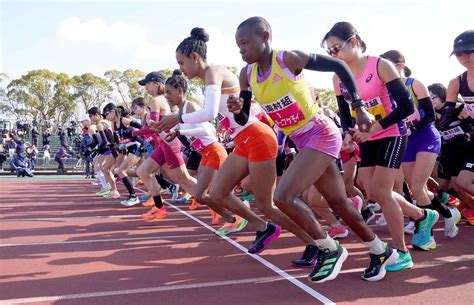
[(59, 244)]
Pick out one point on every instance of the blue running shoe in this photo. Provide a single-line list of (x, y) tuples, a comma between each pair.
[(422, 239), (174, 188), (144, 197)]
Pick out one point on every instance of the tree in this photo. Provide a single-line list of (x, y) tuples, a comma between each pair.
[(126, 84), (90, 90), (327, 98), (63, 99)]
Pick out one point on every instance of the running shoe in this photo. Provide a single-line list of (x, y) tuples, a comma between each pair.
[(381, 221), (194, 205), (404, 261), (131, 201), (183, 199), (102, 192), (149, 202), (378, 263), (450, 228), (144, 197), (174, 189), (452, 201), (422, 239), (444, 198), (410, 228), (308, 259), (328, 264), (374, 206), (263, 238), (108, 196), (357, 202), (232, 227), (249, 197), (368, 215), (156, 213), (216, 218), (338, 232)]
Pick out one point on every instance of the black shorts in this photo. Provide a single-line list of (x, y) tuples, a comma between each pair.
[(451, 160), (386, 152), (135, 149), (469, 159), (194, 158)]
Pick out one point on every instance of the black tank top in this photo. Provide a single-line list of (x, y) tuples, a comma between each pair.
[(468, 96)]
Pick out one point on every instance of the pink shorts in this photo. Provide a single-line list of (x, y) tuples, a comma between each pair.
[(321, 134), (165, 153)]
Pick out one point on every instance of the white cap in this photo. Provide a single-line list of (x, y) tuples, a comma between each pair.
[(85, 117)]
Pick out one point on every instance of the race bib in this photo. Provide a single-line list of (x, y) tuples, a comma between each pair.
[(374, 107), (224, 124), (451, 133), (197, 144), (285, 112), (470, 109)]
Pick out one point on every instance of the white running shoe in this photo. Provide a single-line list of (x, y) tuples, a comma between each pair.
[(410, 228), (450, 228), (381, 221), (131, 201)]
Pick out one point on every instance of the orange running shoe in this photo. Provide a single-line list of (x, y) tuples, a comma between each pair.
[(149, 202), (194, 205), (469, 215), (216, 218), (156, 213)]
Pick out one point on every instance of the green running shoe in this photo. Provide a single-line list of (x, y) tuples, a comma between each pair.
[(404, 261)]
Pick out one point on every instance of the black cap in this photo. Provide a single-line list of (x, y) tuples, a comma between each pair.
[(153, 77), (464, 42)]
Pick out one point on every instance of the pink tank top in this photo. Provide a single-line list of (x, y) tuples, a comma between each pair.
[(377, 99)]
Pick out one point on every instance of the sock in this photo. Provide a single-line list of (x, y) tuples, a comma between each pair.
[(406, 193), (422, 217), (402, 251), (426, 206), (128, 184), (376, 246), (102, 181), (440, 208), (158, 201), (326, 243), (162, 181)]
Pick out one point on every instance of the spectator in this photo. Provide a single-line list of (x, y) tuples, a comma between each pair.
[(60, 154), (46, 155), (83, 148), (46, 135), (3, 157), (34, 136), (32, 153), (21, 165), (10, 145), (71, 131), (62, 137)]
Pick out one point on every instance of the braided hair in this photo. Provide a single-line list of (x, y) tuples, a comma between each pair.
[(177, 81), (195, 43)]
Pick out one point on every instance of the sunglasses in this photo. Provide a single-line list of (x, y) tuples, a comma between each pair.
[(459, 54), (336, 49), (106, 113), (434, 97)]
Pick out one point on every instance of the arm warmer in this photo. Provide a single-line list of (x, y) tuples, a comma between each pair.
[(110, 137), (94, 141), (197, 131), (102, 139), (344, 113), (405, 107), (211, 106), (243, 117), (135, 124), (427, 107), (328, 64), (154, 116)]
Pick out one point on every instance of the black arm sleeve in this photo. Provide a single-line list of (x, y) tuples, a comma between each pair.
[(94, 141), (103, 139), (328, 64), (344, 113), (405, 107), (427, 106), (243, 117), (135, 124), (110, 136)]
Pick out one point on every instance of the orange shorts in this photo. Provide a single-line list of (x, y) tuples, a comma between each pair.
[(213, 156), (256, 143)]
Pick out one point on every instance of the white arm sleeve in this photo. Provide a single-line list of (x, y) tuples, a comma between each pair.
[(198, 131), (211, 106)]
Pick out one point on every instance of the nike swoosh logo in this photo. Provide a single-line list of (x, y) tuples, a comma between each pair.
[(246, 140)]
